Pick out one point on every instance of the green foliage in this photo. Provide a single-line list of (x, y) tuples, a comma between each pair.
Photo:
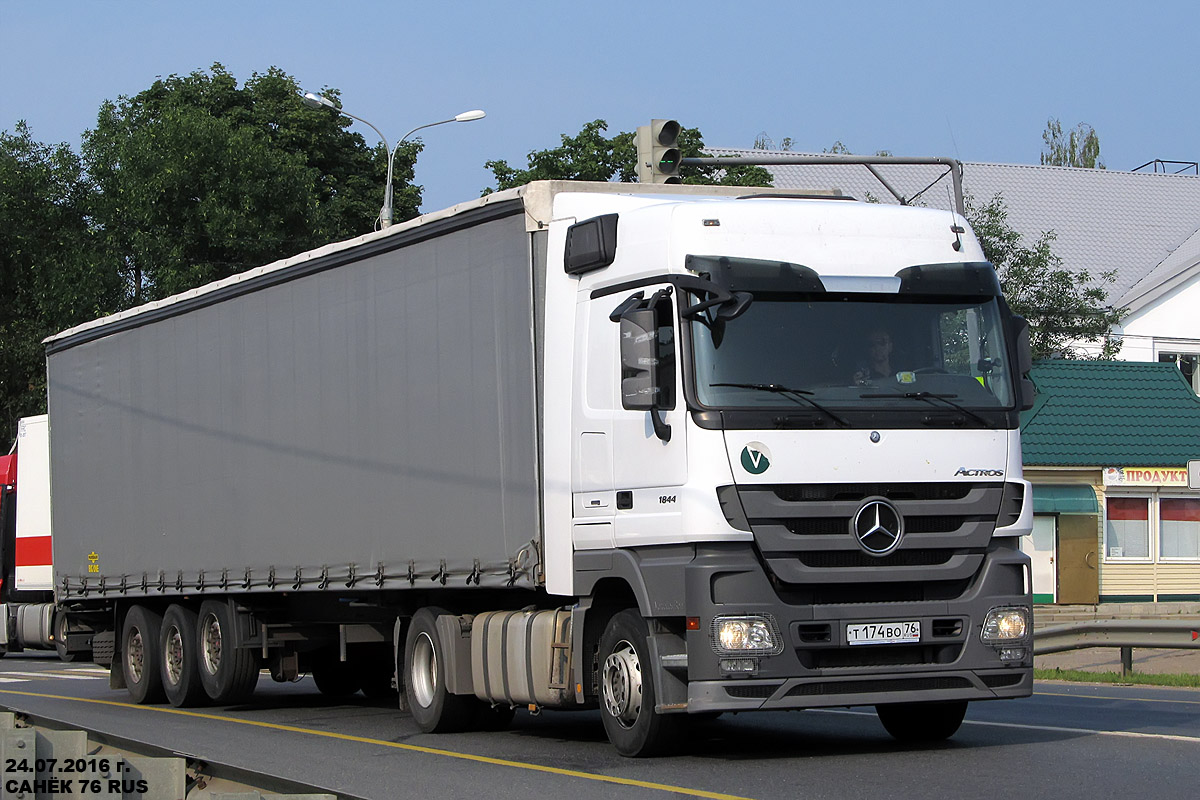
[(53, 274), (591, 156), (588, 156), (1064, 307), (1079, 147), (199, 179)]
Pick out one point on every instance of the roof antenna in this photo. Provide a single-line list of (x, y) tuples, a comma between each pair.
[(955, 228)]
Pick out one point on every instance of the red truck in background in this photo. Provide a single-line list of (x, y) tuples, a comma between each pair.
[(28, 619)]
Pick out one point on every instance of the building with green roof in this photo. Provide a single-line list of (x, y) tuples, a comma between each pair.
[(1106, 446)]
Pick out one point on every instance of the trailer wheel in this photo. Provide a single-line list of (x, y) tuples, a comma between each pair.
[(180, 668), (60, 639), (227, 673), (627, 691), (140, 655), (433, 708), (922, 722)]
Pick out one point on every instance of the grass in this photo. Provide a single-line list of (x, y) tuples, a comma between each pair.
[(1142, 678)]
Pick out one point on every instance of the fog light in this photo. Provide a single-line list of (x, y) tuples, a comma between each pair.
[(750, 634), (1005, 624), (1013, 653), (738, 665)]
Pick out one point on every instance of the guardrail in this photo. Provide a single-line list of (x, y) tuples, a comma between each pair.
[(1123, 633), (40, 757)]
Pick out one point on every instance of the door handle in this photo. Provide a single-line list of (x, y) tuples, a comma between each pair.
[(1087, 560)]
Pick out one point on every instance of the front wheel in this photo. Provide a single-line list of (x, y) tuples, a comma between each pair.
[(922, 722), (627, 691)]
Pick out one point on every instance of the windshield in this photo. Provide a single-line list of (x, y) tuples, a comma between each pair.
[(854, 351)]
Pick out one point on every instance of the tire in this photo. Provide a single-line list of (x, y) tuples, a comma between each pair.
[(179, 665), (433, 708), (922, 722), (140, 655), (228, 674), (60, 639), (627, 691), (334, 678)]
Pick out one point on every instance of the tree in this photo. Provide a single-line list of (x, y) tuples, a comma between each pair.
[(53, 273), (1065, 308), (198, 179), (591, 156), (1079, 147)]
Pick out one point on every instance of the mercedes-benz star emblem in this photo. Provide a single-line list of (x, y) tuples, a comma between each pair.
[(878, 527)]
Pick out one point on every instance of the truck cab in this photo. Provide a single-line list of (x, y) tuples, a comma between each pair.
[(803, 522)]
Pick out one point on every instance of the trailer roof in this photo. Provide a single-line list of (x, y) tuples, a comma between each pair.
[(533, 199)]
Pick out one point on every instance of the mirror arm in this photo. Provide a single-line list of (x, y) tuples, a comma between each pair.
[(661, 429)]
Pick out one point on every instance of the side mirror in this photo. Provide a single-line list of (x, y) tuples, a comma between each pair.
[(639, 360), (1024, 351), (1020, 328)]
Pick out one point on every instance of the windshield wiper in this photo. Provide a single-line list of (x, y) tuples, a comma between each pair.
[(795, 395), (929, 397)]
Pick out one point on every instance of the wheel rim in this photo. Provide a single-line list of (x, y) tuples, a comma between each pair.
[(173, 655), (622, 684), (423, 671), (212, 644), (135, 655)]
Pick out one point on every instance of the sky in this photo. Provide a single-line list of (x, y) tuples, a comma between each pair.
[(968, 80)]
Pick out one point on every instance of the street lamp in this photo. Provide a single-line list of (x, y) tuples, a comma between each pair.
[(385, 214)]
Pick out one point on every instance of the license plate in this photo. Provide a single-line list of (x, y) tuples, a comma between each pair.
[(883, 633)]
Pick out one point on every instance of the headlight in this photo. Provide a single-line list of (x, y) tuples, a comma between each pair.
[(1005, 625), (746, 635)]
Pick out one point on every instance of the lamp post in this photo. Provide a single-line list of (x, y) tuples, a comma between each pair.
[(385, 214)]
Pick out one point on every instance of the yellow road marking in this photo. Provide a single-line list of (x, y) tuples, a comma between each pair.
[(1102, 697), (570, 773)]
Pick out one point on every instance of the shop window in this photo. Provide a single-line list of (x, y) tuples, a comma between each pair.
[(1179, 528), (1189, 365), (1127, 534)]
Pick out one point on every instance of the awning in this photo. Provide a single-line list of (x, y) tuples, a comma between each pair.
[(1064, 500)]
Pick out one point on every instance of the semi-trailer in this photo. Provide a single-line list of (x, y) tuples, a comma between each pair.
[(664, 451)]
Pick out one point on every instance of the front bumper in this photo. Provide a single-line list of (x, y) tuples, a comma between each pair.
[(818, 668)]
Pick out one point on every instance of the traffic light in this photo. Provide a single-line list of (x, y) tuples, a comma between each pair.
[(658, 152)]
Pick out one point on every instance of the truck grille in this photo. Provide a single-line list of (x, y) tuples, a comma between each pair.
[(881, 656), (804, 532)]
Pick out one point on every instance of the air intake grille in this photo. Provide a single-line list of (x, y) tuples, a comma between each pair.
[(856, 492), (904, 558), (755, 692), (873, 686)]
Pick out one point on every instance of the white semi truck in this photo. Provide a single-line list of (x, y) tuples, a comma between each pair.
[(569, 445)]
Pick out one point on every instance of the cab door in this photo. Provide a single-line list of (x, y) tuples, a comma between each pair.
[(627, 469)]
